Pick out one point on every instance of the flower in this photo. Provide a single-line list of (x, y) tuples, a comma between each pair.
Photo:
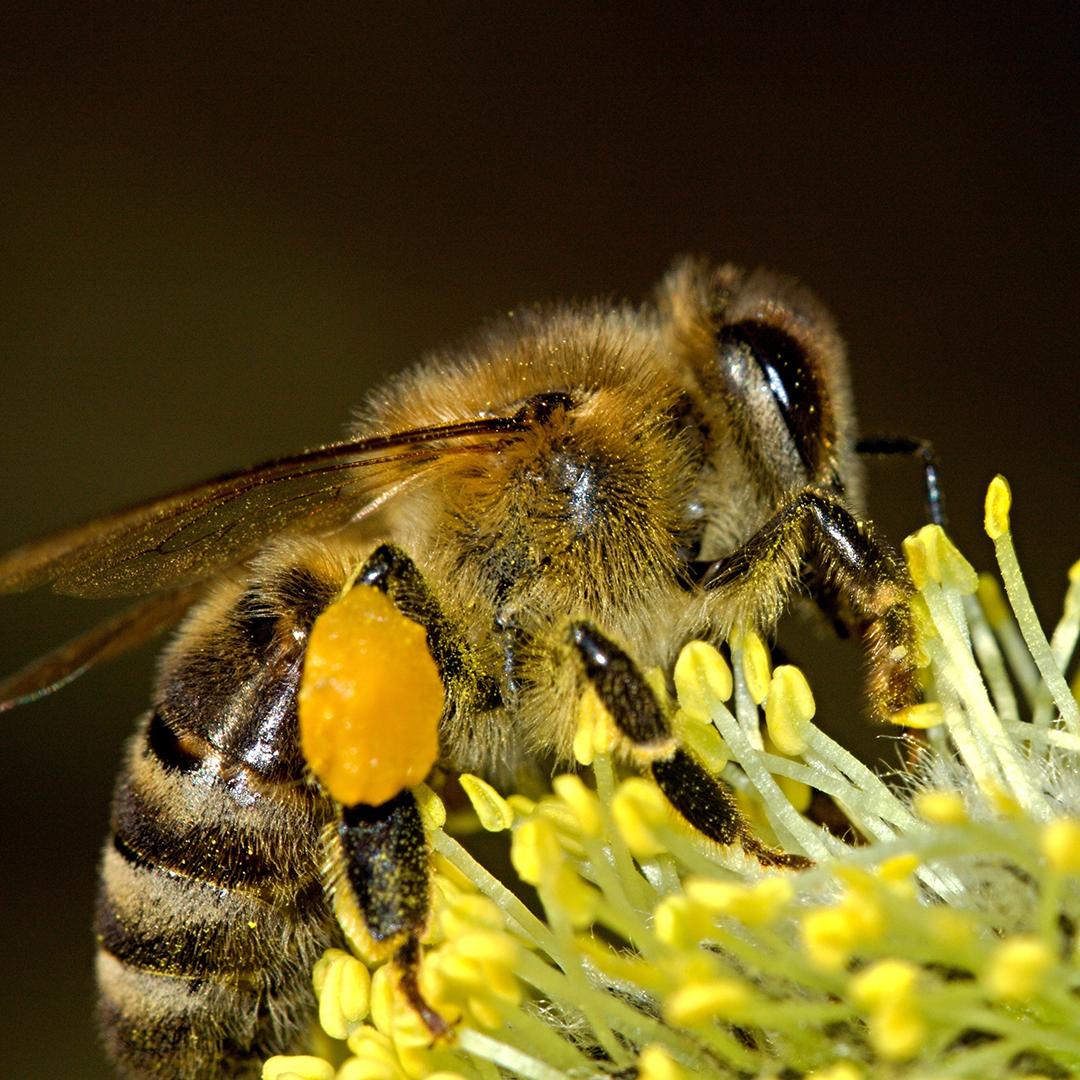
[(944, 942)]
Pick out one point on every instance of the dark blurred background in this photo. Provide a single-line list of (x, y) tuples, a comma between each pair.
[(220, 226)]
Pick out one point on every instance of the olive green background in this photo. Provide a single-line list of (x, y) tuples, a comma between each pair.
[(220, 223)]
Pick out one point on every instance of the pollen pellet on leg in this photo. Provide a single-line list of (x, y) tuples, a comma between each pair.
[(370, 700)]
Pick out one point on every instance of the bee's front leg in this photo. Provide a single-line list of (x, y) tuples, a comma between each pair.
[(922, 450), (857, 567), (699, 797)]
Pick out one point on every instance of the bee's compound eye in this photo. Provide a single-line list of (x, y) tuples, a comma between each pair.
[(789, 376), (370, 700)]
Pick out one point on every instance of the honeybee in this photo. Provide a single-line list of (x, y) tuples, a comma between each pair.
[(561, 504)]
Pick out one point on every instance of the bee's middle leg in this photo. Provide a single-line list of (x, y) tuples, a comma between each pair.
[(706, 803)]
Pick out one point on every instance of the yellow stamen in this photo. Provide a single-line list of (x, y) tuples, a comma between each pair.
[(494, 812), (997, 507), (638, 807), (343, 986), (789, 708), (654, 1063), (297, 1067), (701, 1003), (756, 666), (582, 802), (702, 677), (883, 982)]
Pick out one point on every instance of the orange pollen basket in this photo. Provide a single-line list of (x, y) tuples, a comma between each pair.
[(370, 700)]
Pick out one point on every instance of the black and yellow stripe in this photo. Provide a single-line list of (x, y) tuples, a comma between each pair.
[(212, 908)]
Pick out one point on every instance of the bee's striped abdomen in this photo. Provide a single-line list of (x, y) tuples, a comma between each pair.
[(212, 909)]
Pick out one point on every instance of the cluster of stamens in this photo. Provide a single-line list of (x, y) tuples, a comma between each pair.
[(944, 943)]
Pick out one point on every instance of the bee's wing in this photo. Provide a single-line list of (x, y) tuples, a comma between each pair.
[(187, 536), (129, 629)]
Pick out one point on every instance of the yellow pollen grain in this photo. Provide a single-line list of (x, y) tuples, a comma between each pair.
[(370, 700), (940, 807), (1060, 844), (1017, 967), (756, 666), (789, 708), (494, 812), (702, 678), (997, 507)]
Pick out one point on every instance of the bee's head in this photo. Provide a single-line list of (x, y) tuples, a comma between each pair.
[(767, 369)]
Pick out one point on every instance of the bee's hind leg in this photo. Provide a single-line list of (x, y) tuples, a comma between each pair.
[(380, 861), (706, 803)]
